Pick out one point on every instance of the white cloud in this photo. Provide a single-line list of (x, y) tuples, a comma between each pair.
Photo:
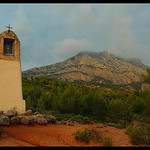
[(70, 47), (123, 41), (20, 22), (85, 10)]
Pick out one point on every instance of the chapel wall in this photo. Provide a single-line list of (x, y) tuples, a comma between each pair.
[(11, 96)]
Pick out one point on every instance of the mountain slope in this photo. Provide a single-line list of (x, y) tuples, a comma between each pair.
[(101, 67)]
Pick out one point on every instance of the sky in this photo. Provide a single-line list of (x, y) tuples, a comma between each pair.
[(50, 33)]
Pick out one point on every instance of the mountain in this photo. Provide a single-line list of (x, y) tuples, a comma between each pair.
[(93, 67)]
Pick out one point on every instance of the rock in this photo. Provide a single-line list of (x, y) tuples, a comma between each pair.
[(36, 113), (1, 112), (11, 113), (102, 64), (20, 117), (15, 120), (33, 118), (50, 118), (41, 121), (40, 116), (47, 118), (4, 120), (26, 120), (28, 113)]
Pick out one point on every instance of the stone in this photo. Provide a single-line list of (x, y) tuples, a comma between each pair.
[(47, 118), (15, 121), (28, 113), (36, 113), (4, 120), (11, 113), (41, 121), (33, 118), (40, 116), (26, 120), (52, 119)]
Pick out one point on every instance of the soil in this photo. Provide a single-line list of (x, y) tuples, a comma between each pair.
[(58, 135)]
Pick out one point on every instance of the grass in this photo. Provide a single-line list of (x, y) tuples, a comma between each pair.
[(106, 141), (138, 134), (72, 117), (87, 135), (116, 125), (82, 136)]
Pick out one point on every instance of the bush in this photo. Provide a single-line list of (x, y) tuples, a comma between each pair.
[(138, 135), (116, 125), (138, 106), (99, 107), (106, 141), (87, 135), (82, 136), (116, 109)]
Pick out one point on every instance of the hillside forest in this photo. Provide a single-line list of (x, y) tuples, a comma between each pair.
[(48, 95)]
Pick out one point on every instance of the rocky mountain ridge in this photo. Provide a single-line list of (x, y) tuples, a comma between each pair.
[(97, 67)]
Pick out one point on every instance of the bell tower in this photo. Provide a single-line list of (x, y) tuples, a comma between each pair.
[(10, 73)]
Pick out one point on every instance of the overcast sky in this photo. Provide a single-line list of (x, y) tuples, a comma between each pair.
[(50, 33)]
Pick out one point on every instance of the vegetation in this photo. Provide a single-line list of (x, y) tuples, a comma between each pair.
[(116, 125), (46, 95), (146, 78), (83, 104), (107, 141), (87, 135), (139, 134)]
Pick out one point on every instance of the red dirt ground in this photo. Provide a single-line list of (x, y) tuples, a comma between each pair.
[(58, 135)]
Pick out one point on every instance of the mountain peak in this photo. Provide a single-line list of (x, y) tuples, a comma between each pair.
[(98, 67)]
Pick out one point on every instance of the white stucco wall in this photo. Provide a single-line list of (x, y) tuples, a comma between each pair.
[(11, 86)]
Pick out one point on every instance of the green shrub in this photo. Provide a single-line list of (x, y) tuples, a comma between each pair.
[(86, 120), (106, 141), (138, 106), (116, 125), (138, 135), (87, 135), (82, 136), (95, 135), (116, 109)]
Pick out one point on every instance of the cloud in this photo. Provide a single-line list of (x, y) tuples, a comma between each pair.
[(123, 41), (70, 47), (51, 33), (85, 10), (20, 22)]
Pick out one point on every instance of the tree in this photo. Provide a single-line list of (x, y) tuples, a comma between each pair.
[(146, 78), (99, 106), (116, 109)]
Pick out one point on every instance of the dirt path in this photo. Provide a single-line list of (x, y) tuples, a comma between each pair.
[(58, 135)]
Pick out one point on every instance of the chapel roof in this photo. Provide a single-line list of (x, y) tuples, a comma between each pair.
[(9, 34)]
